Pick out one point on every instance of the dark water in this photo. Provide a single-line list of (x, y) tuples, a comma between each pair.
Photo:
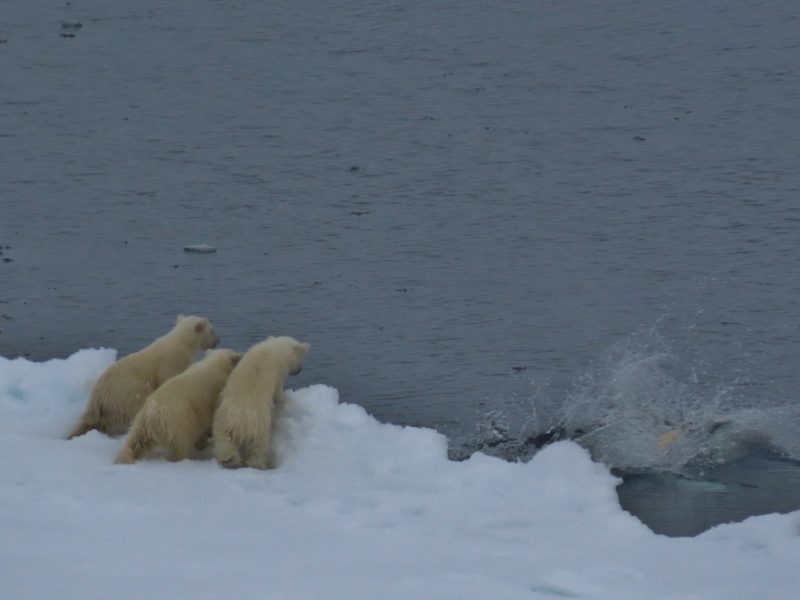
[(681, 505), (473, 213)]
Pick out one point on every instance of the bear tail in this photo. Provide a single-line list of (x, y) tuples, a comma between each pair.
[(136, 446)]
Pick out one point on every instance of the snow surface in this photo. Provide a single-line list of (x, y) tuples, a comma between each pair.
[(357, 509)]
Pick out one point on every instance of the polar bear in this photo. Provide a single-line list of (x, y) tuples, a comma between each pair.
[(179, 414), (242, 428), (122, 389)]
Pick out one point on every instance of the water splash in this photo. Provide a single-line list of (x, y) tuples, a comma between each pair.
[(635, 410), (640, 408)]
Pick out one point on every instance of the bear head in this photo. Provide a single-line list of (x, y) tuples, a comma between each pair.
[(231, 357), (202, 328), (298, 352)]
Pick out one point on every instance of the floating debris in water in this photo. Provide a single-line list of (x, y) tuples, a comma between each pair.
[(65, 25), (200, 249)]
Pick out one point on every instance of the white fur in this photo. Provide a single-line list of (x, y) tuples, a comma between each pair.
[(178, 415), (121, 391), (242, 428)]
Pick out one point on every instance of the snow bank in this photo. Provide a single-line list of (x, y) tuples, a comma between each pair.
[(44, 398), (356, 509)]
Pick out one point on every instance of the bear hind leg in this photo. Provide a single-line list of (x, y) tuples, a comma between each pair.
[(258, 455), (81, 427), (202, 442), (179, 450), (87, 423), (138, 444), (227, 452)]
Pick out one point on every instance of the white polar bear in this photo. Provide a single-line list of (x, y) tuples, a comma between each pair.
[(179, 414), (122, 389), (242, 428)]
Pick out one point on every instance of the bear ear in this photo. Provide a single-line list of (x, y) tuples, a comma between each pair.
[(200, 327), (301, 349), (179, 319)]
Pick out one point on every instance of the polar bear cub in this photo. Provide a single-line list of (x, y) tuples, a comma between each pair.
[(242, 428), (179, 414), (122, 389)]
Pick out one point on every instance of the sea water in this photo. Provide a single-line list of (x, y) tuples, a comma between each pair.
[(500, 221)]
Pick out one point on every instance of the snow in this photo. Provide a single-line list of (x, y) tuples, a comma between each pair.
[(356, 509)]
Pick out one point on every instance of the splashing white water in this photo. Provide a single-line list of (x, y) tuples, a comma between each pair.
[(639, 408)]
